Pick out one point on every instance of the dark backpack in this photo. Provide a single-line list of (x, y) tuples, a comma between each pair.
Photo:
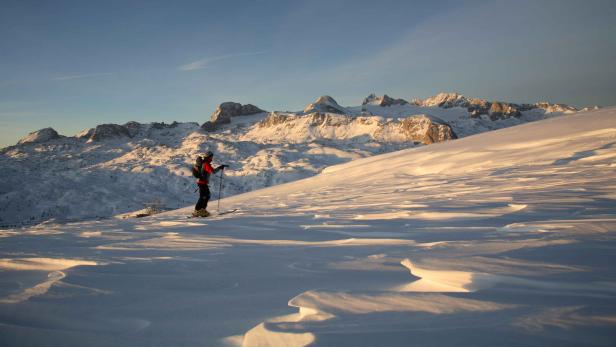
[(197, 169)]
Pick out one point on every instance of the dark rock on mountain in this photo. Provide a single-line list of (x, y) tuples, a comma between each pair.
[(108, 131), (477, 107), (133, 128), (208, 126), (502, 110)]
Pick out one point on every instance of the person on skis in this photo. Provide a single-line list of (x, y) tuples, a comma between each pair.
[(205, 171)]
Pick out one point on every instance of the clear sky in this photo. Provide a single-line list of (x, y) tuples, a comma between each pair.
[(75, 64)]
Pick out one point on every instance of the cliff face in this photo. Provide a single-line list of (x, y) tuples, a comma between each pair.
[(427, 129)]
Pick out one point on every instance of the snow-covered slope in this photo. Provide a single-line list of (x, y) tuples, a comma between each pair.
[(112, 169), (503, 238)]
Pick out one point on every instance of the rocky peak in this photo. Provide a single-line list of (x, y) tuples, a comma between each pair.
[(384, 100), (39, 136), (444, 100), (225, 111), (327, 104)]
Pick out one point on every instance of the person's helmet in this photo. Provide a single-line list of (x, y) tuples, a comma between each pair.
[(208, 154)]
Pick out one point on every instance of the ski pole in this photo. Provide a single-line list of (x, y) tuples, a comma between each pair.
[(220, 188)]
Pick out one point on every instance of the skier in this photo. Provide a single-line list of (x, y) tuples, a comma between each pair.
[(204, 190)]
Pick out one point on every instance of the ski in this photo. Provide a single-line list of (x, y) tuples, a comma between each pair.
[(214, 214), (226, 212)]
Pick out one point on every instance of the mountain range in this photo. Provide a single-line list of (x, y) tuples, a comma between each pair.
[(113, 169)]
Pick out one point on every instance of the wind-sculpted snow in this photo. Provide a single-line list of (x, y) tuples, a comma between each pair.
[(55, 265), (501, 238)]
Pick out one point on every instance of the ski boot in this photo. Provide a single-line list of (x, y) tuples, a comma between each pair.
[(201, 213)]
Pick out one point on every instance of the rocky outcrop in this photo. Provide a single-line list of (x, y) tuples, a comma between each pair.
[(383, 101), (40, 136), (427, 129), (107, 131), (208, 126), (502, 110), (325, 104), (228, 110), (477, 107), (133, 128)]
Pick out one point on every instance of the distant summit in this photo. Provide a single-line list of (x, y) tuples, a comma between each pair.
[(444, 100), (40, 136), (495, 110), (384, 100), (227, 110), (327, 104)]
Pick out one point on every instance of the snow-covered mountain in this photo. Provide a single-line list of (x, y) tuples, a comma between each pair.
[(112, 169), (504, 238)]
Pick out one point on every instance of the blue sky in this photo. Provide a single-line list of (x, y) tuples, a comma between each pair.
[(75, 64)]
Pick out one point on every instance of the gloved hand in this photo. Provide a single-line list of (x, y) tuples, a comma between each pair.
[(222, 167)]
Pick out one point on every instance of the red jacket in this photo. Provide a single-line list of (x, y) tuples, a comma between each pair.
[(207, 171)]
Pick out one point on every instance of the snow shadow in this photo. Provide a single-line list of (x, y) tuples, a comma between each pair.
[(583, 154)]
